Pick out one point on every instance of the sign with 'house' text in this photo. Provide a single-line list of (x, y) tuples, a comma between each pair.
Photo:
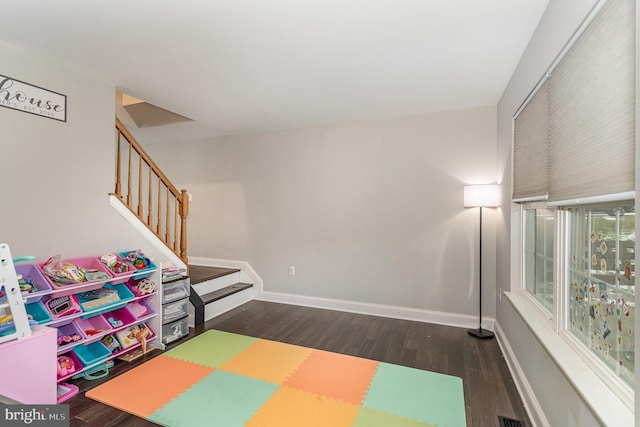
[(25, 97)]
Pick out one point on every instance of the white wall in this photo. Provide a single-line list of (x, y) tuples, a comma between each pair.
[(56, 176), (561, 402), (369, 211)]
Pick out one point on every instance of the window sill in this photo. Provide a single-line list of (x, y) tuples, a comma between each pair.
[(605, 404)]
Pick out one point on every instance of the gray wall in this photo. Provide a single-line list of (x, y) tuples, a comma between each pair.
[(561, 403), (369, 211), (56, 176)]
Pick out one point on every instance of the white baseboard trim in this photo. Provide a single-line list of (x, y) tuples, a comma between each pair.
[(405, 313), (145, 232), (531, 404)]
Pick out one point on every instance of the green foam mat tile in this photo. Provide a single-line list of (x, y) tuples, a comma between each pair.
[(220, 399), (368, 417), (421, 395), (212, 348)]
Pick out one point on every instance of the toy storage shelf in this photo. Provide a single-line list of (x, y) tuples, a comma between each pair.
[(131, 307), (100, 335)]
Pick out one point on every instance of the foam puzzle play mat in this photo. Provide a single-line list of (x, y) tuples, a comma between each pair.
[(224, 379)]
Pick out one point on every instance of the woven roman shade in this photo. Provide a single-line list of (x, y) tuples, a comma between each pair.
[(592, 109), (531, 148), (590, 122)]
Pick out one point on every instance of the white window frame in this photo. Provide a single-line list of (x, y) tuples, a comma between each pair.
[(539, 205), (557, 320)]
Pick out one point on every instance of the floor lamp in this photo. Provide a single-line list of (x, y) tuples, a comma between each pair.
[(482, 196)]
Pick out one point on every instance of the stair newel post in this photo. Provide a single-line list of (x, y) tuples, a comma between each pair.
[(184, 212)]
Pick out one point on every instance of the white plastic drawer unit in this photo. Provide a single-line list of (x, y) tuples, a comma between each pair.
[(175, 290), (175, 310), (175, 330)]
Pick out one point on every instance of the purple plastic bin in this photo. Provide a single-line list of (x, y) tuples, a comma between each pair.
[(120, 315), (69, 330), (96, 323), (33, 273)]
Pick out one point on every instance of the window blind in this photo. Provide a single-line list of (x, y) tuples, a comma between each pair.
[(592, 109), (590, 122), (531, 148)]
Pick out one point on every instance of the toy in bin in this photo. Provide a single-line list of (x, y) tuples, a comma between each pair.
[(134, 335), (138, 259), (66, 366), (62, 306), (68, 339), (111, 343), (27, 286), (63, 273), (142, 287), (114, 264)]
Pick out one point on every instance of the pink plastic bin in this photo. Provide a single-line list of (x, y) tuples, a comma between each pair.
[(66, 307), (124, 276), (139, 309), (96, 323), (139, 291), (33, 273), (120, 315), (66, 391), (87, 263), (76, 363)]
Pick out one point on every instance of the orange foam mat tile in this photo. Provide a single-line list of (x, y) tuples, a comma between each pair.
[(157, 382), (268, 360), (294, 408), (334, 375)]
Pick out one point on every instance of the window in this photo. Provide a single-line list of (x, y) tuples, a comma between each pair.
[(601, 273), (574, 175), (538, 254)]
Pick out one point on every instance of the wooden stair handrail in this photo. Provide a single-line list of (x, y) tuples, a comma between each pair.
[(175, 238), (143, 154)]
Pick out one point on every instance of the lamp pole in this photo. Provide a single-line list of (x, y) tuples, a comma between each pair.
[(480, 333)]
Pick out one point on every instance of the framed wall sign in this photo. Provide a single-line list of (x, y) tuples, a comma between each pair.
[(25, 97)]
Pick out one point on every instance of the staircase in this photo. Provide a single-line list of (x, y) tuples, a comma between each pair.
[(216, 290), (146, 192), (146, 198)]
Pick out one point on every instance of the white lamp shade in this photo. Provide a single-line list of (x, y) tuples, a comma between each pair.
[(487, 196)]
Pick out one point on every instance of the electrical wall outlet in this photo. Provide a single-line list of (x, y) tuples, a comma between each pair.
[(292, 270)]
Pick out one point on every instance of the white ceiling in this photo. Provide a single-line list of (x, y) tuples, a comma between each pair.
[(240, 66)]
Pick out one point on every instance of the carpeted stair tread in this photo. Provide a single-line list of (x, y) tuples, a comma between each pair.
[(224, 292)]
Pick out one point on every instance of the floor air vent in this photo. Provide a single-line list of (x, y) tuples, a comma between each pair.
[(509, 422)]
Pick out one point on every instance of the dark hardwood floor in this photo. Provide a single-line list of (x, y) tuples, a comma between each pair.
[(488, 386)]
